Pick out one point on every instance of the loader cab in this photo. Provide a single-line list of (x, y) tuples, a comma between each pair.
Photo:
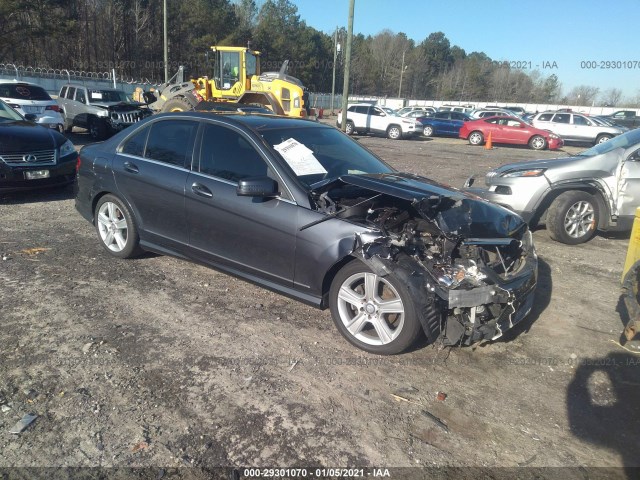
[(231, 69)]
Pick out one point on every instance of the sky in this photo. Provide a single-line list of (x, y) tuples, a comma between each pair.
[(572, 38)]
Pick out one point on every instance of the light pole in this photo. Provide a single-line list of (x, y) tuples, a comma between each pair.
[(336, 47), (166, 45), (347, 66), (402, 69)]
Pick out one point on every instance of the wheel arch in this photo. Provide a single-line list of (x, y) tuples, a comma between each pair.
[(591, 188), (330, 275), (96, 198)]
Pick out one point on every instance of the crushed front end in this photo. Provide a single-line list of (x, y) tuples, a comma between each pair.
[(470, 265)]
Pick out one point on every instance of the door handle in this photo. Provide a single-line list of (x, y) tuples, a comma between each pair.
[(201, 190), (131, 167)]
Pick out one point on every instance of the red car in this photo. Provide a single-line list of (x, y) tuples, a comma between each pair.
[(509, 130)]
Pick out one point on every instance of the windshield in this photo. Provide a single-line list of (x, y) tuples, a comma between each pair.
[(621, 141), (8, 114), (99, 96), (335, 153)]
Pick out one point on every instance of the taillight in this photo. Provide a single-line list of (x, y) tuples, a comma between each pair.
[(78, 163), (55, 108)]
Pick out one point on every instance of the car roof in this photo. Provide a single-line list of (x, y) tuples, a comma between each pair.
[(256, 121), (79, 85)]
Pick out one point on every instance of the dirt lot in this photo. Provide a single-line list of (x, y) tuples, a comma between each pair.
[(161, 363)]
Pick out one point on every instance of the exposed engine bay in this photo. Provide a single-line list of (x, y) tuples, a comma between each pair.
[(471, 271)]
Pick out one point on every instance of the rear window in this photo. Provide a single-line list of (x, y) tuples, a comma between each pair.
[(23, 92)]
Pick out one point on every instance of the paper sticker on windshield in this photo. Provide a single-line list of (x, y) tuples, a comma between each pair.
[(299, 158), (96, 95)]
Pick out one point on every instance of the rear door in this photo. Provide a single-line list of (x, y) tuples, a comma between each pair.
[(254, 235), (151, 170)]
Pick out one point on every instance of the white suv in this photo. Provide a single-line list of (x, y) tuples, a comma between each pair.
[(29, 98), (365, 118), (575, 127)]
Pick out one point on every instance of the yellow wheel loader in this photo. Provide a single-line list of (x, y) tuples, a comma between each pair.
[(233, 76)]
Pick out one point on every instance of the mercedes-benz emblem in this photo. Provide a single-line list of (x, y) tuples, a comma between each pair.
[(30, 158)]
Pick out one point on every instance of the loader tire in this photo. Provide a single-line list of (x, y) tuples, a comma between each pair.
[(178, 104)]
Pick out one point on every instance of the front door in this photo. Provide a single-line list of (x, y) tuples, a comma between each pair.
[(251, 234)]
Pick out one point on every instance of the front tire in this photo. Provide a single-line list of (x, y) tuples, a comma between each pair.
[(116, 228), (476, 138), (376, 314), (573, 217), (602, 139), (537, 142), (98, 129), (394, 132)]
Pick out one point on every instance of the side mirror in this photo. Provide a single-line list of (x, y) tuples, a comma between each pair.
[(30, 117), (264, 187)]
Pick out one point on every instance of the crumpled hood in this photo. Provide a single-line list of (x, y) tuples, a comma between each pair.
[(118, 106), (455, 212)]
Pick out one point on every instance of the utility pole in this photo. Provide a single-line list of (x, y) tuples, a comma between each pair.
[(335, 57), (347, 66), (166, 45), (401, 73)]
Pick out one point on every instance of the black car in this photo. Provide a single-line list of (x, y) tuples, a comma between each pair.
[(300, 208), (32, 156)]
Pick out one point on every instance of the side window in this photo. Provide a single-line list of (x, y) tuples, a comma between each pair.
[(135, 144), (71, 92), (228, 155), (562, 118), (578, 120), (545, 117), (80, 96), (362, 109), (171, 141), (63, 92), (513, 123), (376, 112)]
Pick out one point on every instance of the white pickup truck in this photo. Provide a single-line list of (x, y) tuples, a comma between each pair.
[(365, 118)]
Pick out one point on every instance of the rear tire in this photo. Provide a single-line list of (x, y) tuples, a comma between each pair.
[(427, 131), (349, 128), (116, 228), (179, 104), (67, 127), (573, 217)]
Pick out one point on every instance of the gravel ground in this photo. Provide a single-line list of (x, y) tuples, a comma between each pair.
[(157, 362)]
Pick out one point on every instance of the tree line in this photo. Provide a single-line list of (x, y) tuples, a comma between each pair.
[(99, 35)]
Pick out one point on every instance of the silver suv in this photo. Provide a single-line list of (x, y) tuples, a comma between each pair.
[(598, 189), (575, 127), (365, 118), (102, 111)]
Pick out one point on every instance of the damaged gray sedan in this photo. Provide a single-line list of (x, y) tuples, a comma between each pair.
[(302, 209)]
